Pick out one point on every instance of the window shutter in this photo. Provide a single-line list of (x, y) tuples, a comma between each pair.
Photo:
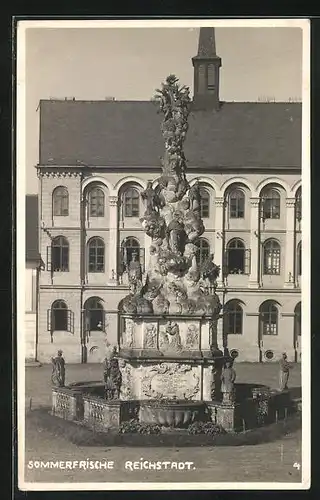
[(70, 321), (49, 322), (105, 322), (142, 259), (49, 259), (247, 261), (261, 209), (225, 263)]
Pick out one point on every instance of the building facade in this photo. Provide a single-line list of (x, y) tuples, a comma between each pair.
[(32, 273), (95, 159)]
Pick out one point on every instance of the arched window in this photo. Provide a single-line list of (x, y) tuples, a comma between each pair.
[(269, 318), (203, 251), (237, 257), (271, 204), (271, 257), (60, 254), (298, 204), (297, 320), (96, 255), (59, 316), (131, 202), (236, 204), (204, 203), (232, 318), (60, 199), (96, 202), (299, 259), (94, 315)]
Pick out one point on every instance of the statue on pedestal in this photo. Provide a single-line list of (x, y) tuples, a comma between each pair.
[(135, 271), (112, 377), (58, 370), (228, 377), (284, 373)]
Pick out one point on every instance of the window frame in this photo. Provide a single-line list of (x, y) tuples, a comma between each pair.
[(88, 315), (297, 320), (203, 252), (63, 255), (246, 258), (299, 259), (128, 203), (60, 202), (96, 202), (271, 204), (204, 203), (274, 255), (93, 244), (235, 313), (269, 327), (238, 195), (53, 318)]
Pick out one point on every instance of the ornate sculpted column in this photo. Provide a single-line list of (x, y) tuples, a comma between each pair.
[(290, 244), (113, 240), (218, 237), (254, 278)]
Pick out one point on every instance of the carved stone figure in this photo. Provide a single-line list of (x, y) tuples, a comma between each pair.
[(58, 370), (160, 304), (176, 235), (135, 271), (192, 339), (228, 377), (209, 270), (112, 378), (172, 330), (284, 372), (150, 198), (150, 340), (128, 333), (195, 197)]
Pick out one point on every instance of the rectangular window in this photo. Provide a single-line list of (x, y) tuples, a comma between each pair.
[(60, 259), (96, 259), (131, 208), (60, 320), (271, 208), (272, 261)]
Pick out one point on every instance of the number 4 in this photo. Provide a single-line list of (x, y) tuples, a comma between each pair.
[(297, 465)]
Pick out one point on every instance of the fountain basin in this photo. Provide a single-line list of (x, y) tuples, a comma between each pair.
[(171, 413)]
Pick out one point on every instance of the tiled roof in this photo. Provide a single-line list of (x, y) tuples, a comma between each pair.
[(32, 222), (127, 133)]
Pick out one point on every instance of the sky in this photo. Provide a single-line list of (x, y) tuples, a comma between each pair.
[(130, 63)]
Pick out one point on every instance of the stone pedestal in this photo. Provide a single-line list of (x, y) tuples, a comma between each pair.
[(226, 415), (67, 403), (100, 414)]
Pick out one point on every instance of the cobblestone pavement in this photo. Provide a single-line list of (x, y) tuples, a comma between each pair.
[(268, 462)]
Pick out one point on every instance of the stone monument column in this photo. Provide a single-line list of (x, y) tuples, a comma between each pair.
[(254, 278), (290, 244), (218, 236), (113, 240)]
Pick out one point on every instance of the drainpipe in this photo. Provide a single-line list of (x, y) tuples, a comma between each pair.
[(38, 269), (82, 268)]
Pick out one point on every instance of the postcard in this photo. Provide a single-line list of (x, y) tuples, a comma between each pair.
[(162, 256)]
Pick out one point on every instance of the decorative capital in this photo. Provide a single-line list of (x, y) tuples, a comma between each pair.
[(254, 202), (219, 201), (113, 201), (290, 202)]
